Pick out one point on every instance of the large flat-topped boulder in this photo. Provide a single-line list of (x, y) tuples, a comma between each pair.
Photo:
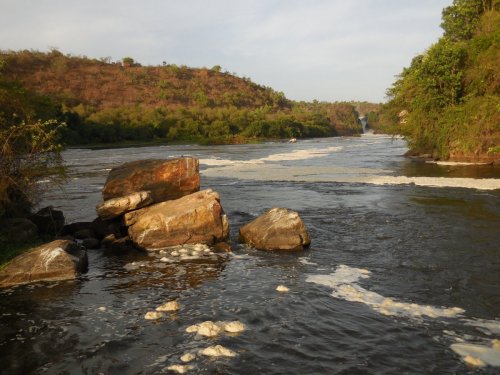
[(117, 206), (165, 178), (56, 260), (195, 218), (277, 229)]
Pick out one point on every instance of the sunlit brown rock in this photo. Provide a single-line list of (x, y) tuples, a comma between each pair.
[(165, 179), (117, 206), (196, 218), (56, 260), (277, 229)]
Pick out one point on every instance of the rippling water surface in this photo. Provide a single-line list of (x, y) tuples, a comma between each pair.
[(403, 275)]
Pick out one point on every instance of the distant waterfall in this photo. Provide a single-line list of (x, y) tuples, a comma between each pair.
[(364, 123)]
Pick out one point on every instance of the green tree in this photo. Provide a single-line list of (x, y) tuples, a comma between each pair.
[(29, 148)]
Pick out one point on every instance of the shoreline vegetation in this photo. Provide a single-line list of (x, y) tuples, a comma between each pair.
[(104, 102), (446, 103)]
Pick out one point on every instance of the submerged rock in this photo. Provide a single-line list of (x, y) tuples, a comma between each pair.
[(91, 243), (56, 260), (277, 229), (218, 351), (119, 244), (196, 218), (118, 206), (166, 179)]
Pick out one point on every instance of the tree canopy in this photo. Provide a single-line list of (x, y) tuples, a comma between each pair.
[(446, 103), (29, 147)]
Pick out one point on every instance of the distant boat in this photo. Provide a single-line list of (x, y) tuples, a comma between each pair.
[(292, 140)]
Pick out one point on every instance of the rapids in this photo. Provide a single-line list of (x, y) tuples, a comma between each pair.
[(402, 275)]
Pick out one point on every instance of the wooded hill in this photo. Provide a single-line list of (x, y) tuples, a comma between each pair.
[(104, 101), (447, 102)]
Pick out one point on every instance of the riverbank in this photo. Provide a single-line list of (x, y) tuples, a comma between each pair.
[(10, 249), (456, 159)]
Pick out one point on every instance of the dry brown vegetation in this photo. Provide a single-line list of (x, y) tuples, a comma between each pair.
[(105, 102)]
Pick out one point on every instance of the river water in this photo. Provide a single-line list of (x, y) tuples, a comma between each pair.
[(402, 277)]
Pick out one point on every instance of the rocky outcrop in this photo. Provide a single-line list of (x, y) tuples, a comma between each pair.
[(19, 229), (277, 229), (115, 207), (165, 179), (49, 221), (56, 260), (196, 218)]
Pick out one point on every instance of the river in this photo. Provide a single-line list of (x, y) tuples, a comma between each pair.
[(402, 277)]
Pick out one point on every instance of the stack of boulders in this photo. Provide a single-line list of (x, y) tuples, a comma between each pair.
[(150, 204), (157, 204)]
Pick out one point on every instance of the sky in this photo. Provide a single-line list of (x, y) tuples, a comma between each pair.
[(328, 50)]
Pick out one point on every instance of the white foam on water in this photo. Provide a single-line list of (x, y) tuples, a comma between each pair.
[(218, 351), (489, 355), (306, 261), (302, 154), (490, 327), (226, 162), (276, 172), (344, 282), (454, 182), (180, 369)]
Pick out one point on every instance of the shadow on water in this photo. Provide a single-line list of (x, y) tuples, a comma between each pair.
[(412, 168)]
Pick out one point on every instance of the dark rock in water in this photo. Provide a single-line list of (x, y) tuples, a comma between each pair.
[(118, 206), (103, 228), (195, 218), (56, 260), (48, 221), (91, 243), (112, 242), (277, 229), (71, 229), (84, 233), (19, 229), (166, 179)]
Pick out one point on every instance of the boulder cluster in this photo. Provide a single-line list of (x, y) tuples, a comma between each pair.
[(151, 205)]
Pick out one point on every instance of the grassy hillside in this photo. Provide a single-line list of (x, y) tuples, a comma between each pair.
[(102, 101), (447, 102)]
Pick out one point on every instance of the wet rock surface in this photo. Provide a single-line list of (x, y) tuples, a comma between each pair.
[(166, 179), (277, 229), (196, 218), (115, 207), (56, 260)]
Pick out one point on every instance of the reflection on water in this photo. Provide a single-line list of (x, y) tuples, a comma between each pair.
[(423, 246), (416, 169)]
